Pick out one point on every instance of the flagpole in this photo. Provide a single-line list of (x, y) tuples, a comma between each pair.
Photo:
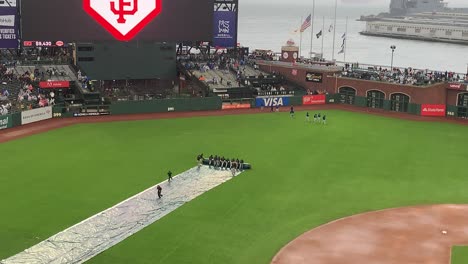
[(312, 29), (334, 31), (300, 40), (346, 39), (323, 33)]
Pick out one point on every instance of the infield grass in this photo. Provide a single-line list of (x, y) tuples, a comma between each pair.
[(460, 255), (304, 175)]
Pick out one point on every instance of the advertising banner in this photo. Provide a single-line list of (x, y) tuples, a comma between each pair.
[(8, 28), (314, 77), (48, 44), (91, 114), (271, 101), (314, 99), (36, 115), (228, 106), (54, 84), (5, 122), (433, 110), (458, 86), (224, 29)]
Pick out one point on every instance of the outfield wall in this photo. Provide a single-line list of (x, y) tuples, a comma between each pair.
[(166, 105), (216, 103)]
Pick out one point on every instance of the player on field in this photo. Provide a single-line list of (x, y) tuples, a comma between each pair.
[(292, 112), (210, 161), (233, 167), (200, 160), (315, 118), (324, 119), (307, 117), (223, 160)]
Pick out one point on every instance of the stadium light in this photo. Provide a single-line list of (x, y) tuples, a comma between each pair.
[(393, 47)]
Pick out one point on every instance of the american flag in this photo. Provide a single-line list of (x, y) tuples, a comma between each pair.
[(306, 24)]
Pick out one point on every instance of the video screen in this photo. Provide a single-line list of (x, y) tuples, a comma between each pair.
[(124, 20)]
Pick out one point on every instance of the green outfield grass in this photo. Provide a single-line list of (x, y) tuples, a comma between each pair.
[(304, 176), (460, 255)]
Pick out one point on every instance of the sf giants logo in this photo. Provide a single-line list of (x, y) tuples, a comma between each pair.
[(124, 19)]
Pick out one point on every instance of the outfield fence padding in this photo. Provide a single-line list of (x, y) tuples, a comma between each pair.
[(6, 121), (166, 105)]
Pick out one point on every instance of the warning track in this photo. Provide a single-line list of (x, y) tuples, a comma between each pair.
[(44, 126)]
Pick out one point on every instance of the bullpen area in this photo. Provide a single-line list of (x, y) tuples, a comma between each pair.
[(304, 175)]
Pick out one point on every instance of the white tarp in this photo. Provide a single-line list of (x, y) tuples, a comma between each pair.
[(36, 115), (104, 230)]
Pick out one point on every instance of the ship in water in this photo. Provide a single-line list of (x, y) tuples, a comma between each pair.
[(427, 20)]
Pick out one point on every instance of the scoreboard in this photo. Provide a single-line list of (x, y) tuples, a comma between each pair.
[(110, 20)]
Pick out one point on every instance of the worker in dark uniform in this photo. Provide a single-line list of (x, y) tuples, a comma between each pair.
[(241, 164), (292, 112), (169, 176), (159, 192)]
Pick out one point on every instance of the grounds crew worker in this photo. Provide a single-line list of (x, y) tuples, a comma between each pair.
[(169, 176), (159, 192)]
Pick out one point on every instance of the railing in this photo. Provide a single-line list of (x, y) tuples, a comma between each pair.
[(364, 66), (312, 67)]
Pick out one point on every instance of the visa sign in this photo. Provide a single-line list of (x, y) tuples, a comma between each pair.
[(272, 101)]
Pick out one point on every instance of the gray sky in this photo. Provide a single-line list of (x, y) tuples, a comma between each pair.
[(452, 3)]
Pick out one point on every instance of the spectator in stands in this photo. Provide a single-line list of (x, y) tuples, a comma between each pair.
[(4, 109)]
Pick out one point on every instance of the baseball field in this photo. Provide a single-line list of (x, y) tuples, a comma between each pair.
[(304, 175)]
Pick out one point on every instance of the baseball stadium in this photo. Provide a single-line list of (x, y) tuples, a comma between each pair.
[(124, 142)]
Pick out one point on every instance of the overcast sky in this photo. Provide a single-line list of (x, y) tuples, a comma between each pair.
[(452, 3)]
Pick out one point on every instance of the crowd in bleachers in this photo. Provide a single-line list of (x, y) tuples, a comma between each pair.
[(22, 70), (407, 76), (217, 71), (316, 92), (18, 92)]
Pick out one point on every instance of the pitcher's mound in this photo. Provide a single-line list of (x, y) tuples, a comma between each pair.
[(413, 235)]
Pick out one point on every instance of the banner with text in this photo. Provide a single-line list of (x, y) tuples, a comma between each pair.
[(5, 122), (272, 101), (91, 114), (54, 84), (224, 29), (314, 99), (228, 106), (8, 28), (36, 115), (458, 86), (314, 77), (433, 110)]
